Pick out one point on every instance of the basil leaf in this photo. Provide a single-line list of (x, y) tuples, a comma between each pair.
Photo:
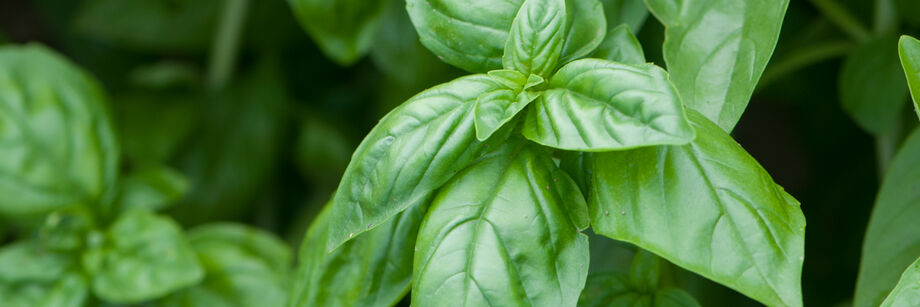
[(400, 56), (147, 139), (706, 206), (535, 41), (598, 105), (159, 26), (57, 147), (905, 293), (65, 230), (411, 152), (716, 51), (504, 232), (243, 267), (151, 188), (495, 109), (892, 239), (144, 257), (909, 50), (639, 288), (373, 269), (621, 46), (472, 34), (633, 13), (343, 29), (32, 276), (872, 86)]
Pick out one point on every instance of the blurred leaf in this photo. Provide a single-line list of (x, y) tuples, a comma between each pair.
[(57, 147), (150, 188), (235, 151), (872, 86), (143, 256), (716, 51), (244, 267), (892, 240), (373, 269), (165, 26), (907, 292), (165, 75), (705, 203), (65, 230), (343, 29), (639, 288), (152, 124), (909, 51), (620, 46), (399, 54), (31, 276), (633, 13), (322, 152), (908, 10)]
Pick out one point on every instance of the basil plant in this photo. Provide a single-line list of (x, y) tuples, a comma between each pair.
[(479, 191)]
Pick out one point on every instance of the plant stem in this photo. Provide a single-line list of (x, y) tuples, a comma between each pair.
[(804, 57), (844, 20), (886, 20), (226, 43)]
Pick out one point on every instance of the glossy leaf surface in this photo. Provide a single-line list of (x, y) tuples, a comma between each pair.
[(57, 148), (621, 46), (144, 256), (412, 151), (909, 50), (907, 292), (708, 207), (716, 51), (243, 266), (504, 232), (872, 86), (472, 34), (374, 269), (32, 276), (343, 29), (598, 105), (536, 38), (892, 239)]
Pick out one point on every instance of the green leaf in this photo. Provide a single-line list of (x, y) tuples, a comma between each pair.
[(536, 38), (399, 55), (892, 239), (374, 269), (183, 26), (621, 46), (343, 29), (706, 206), (504, 232), (495, 109), (244, 266), (147, 139), (31, 276), (716, 51), (909, 50), (639, 288), (907, 292), (144, 256), (472, 34), (65, 230), (151, 188), (598, 105), (410, 153), (633, 13), (57, 147), (872, 87)]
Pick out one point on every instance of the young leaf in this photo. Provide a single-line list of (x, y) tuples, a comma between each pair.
[(909, 50), (893, 237), (598, 105), (621, 46), (504, 232), (472, 34), (872, 86), (150, 188), (57, 148), (244, 267), (145, 257), (373, 269), (495, 109), (706, 206), (633, 13), (343, 29), (412, 151), (32, 276), (535, 41), (716, 51), (907, 292)]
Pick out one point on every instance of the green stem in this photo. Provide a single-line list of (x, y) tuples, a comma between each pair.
[(844, 20), (802, 58), (226, 43)]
